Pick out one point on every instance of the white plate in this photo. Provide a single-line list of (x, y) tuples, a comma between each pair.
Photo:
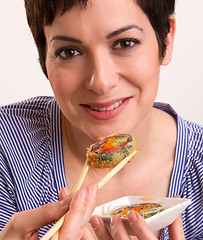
[(173, 208)]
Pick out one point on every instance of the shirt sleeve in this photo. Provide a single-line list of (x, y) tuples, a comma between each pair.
[(7, 199)]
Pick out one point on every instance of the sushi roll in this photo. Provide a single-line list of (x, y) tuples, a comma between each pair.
[(111, 150)]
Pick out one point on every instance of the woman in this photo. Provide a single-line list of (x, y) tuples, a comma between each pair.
[(102, 59)]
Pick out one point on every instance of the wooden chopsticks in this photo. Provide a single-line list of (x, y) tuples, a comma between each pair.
[(53, 232)]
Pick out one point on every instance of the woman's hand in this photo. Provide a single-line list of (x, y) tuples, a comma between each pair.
[(139, 226), (24, 225)]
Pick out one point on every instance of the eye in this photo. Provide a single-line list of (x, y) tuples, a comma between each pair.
[(125, 43), (67, 53)]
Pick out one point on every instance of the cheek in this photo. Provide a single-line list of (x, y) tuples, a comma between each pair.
[(64, 83), (65, 86), (144, 72), (144, 64), (150, 66), (149, 79)]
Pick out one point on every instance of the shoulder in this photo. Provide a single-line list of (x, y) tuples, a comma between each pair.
[(189, 151), (28, 109), (192, 134), (25, 122), (26, 152), (34, 110)]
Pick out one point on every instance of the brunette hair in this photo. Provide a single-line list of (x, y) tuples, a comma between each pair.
[(42, 12)]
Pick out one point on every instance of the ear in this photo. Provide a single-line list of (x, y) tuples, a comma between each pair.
[(169, 42)]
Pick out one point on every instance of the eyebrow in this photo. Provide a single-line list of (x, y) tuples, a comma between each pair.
[(121, 30), (66, 38), (108, 36)]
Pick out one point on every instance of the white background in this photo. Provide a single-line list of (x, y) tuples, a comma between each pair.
[(181, 82)]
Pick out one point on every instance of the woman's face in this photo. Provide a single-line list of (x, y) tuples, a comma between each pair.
[(103, 65)]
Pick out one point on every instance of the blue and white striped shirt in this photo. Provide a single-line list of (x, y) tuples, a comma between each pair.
[(32, 168)]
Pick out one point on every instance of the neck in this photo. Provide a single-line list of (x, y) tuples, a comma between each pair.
[(145, 131), (76, 141)]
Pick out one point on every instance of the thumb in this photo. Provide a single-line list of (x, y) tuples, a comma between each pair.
[(41, 216)]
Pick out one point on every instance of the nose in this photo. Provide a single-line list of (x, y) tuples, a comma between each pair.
[(103, 76)]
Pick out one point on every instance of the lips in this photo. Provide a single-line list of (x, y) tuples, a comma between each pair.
[(108, 110)]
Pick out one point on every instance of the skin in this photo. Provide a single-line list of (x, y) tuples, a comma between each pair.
[(91, 63), (25, 225)]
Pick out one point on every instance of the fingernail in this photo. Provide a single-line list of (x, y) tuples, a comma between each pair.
[(66, 192), (95, 222), (65, 202), (132, 218), (95, 190), (114, 220)]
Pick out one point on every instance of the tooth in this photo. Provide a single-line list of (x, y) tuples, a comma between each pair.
[(102, 109), (109, 108), (115, 105)]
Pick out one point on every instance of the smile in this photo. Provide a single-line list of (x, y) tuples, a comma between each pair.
[(104, 109), (107, 110)]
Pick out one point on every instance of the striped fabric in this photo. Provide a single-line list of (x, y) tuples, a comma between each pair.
[(187, 175), (32, 169)]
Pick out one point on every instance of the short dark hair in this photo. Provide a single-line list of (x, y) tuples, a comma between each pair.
[(42, 12)]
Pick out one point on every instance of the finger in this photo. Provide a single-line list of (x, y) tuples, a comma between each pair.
[(82, 204), (64, 193), (176, 230), (71, 228), (34, 236), (89, 233), (100, 228), (139, 226), (118, 230), (92, 190)]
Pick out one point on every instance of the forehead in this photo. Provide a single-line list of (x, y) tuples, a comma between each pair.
[(101, 13)]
